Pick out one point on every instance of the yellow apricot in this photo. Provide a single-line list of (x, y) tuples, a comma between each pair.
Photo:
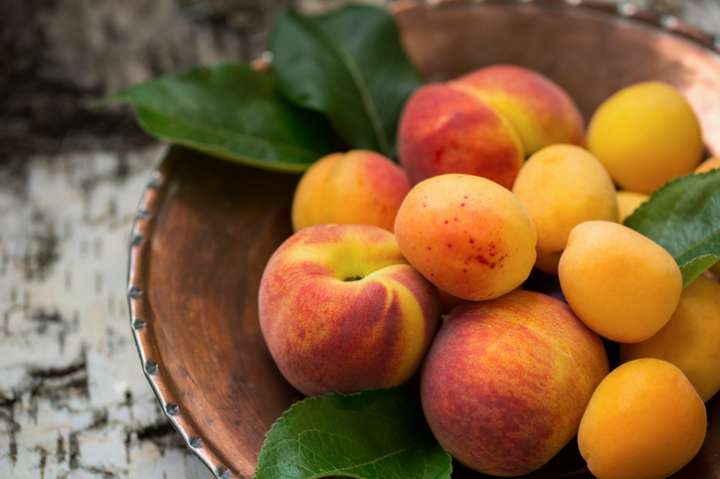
[(691, 339), (621, 284), (644, 421), (645, 135), (562, 186), (628, 202)]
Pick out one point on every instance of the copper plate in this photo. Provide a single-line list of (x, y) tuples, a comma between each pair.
[(205, 227)]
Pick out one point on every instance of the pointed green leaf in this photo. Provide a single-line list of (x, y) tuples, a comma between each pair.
[(234, 112), (684, 217), (369, 435), (350, 65)]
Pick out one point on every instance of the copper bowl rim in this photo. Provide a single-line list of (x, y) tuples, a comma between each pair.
[(154, 192)]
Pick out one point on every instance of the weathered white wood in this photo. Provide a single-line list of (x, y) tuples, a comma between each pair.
[(73, 400)]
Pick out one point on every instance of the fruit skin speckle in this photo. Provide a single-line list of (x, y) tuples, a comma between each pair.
[(487, 251)]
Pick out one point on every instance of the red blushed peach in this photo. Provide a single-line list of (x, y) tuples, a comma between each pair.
[(539, 110), (467, 235), (357, 187), (506, 381), (341, 310), (445, 130)]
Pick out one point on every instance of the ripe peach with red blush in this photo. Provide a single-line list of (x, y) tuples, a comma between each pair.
[(342, 311), (506, 381), (541, 112), (446, 130)]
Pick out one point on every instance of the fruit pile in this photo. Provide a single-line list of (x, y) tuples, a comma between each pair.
[(395, 267)]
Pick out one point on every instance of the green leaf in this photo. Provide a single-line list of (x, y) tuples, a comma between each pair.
[(350, 65), (370, 435), (234, 112), (684, 217)]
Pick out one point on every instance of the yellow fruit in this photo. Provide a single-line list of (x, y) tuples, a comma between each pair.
[(562, 186), (628, 202), (644, 421), (645, 135), (621, 284), (691, 339)]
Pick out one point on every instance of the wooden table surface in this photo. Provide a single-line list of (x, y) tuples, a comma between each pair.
[(73, 400)]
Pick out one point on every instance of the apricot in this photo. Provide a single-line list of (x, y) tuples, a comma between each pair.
[(341, 311), (562, 186), (467, 235), (645, 135), (691, 339), (446, 130), (628, 202), (644, 421), (541, 112), (506, 381), (621, 284), (356, 187)]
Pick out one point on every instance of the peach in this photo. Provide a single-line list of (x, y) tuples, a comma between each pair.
[(341, 310), (645, 135), (542, 113), (446, 130), (506, 381), (621, 284), (561, 186), (628, 202), (644, 421), (691, 339), (357, 187), (467, 235)]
